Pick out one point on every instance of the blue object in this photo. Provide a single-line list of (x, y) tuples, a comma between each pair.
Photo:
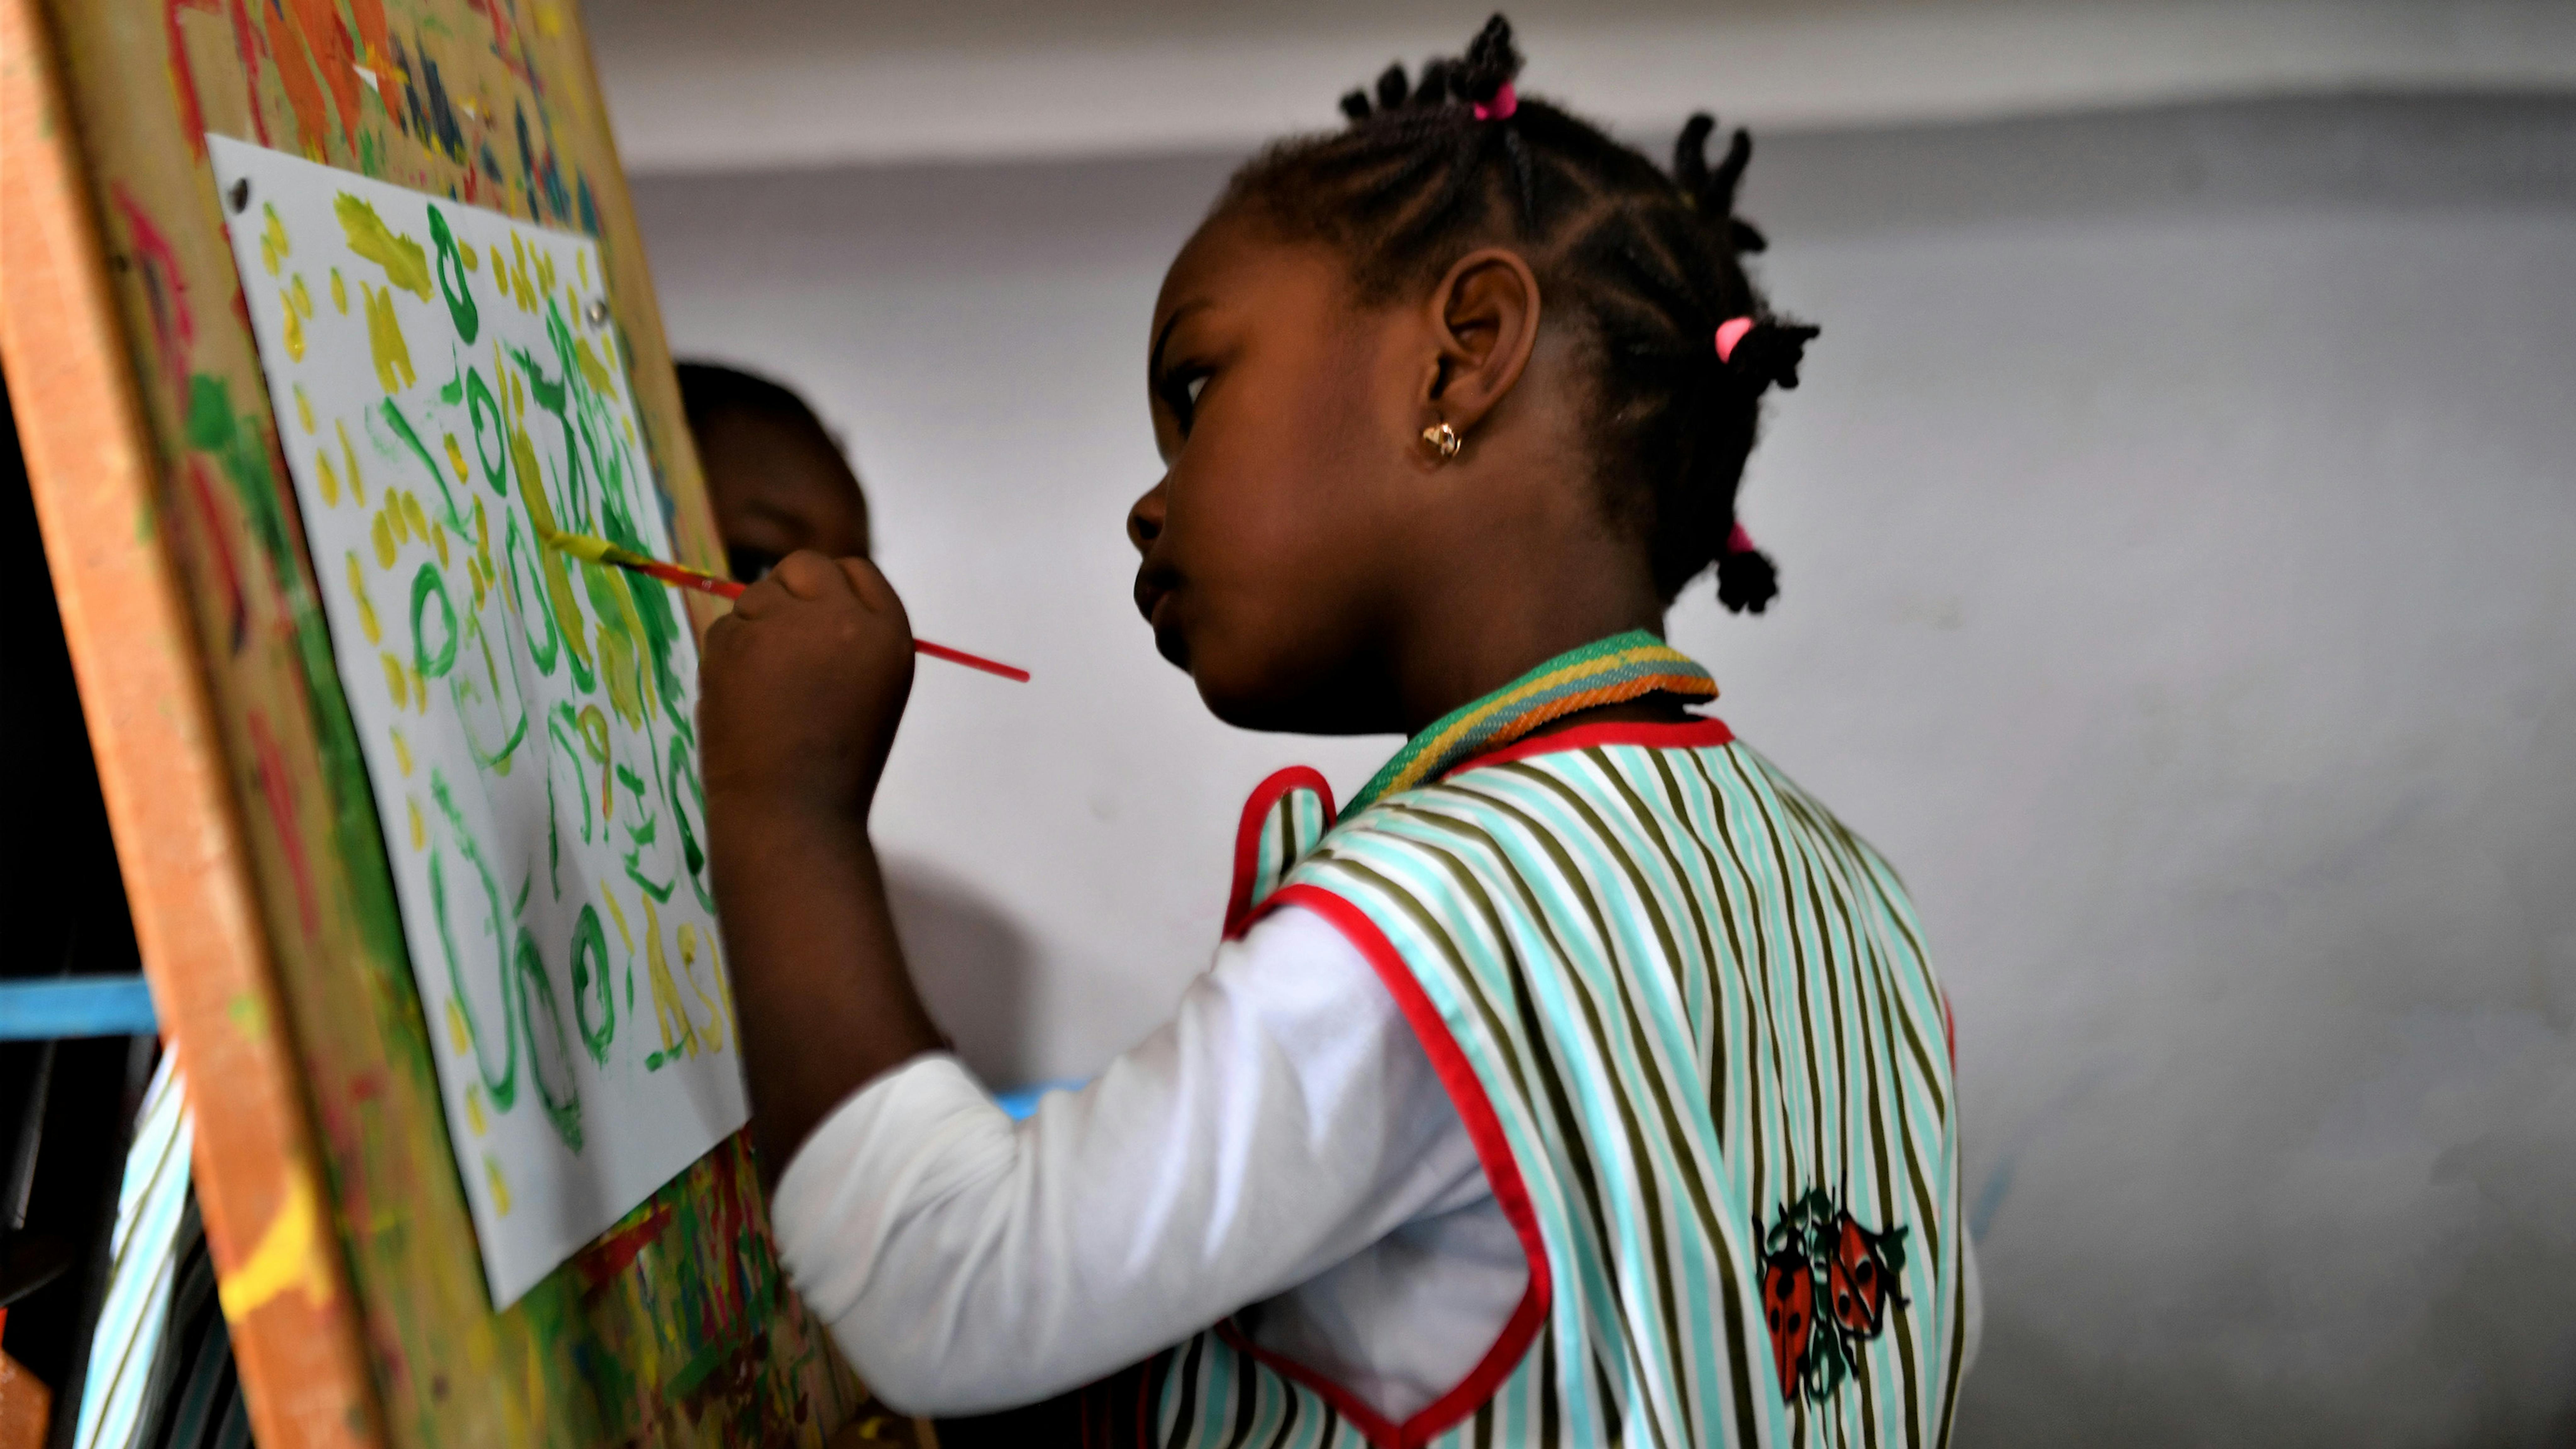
[(68, 1006), (1019, 1102)]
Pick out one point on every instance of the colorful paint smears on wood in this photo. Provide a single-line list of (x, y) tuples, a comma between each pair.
[(527, 716), (237, 780)]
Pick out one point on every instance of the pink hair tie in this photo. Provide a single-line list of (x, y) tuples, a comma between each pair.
[(1500, 108), (1729, 333), (1739, 541)]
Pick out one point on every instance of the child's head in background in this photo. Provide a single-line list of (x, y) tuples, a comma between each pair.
[(775, 476), (1464, 380)]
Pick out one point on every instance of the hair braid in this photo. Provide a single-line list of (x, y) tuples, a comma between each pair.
[(1649, 264)]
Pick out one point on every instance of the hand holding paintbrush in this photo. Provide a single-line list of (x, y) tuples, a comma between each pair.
[(600, 550)]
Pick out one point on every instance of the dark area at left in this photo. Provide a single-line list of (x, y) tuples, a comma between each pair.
[(66, 1107)]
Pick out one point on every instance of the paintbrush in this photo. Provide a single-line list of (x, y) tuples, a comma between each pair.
[(600, 550)]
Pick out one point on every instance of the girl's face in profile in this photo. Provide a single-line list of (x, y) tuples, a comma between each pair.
[(1272, 544)]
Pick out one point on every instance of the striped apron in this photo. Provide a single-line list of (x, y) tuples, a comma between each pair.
[(1688, 1020)]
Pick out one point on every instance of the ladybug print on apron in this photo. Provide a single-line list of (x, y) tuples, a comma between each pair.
[(1827, 1287)]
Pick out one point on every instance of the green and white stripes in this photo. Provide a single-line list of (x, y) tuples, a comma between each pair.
[(1691, 997)]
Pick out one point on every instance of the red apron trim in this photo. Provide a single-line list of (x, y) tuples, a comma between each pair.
[(1247, 836), (1493, 1152)]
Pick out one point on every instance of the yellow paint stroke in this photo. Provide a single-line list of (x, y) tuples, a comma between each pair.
[(500, 1188), (330, 478), (482, 538), (666, 993), (339, 292), (393, 515), (366, 606), (419, 692), (526, 296), (294, 329), (724, 991), (581, 267), (383, 534), (303, 408), (247, 1016), (349, 459), (550, 20), (600, 381), (419, 827), (412, 513), (474, 1107), (594, 736), (406, 265), (402, 752), (289, 1258), (456, 1029), (689, 968), (456, 459), (617, 913), (385, 340), (396, 683), (545, 271), (272, 240), (297, 296), (438, 535)]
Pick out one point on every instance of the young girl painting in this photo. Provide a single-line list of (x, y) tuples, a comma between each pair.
[(1584, 1081)]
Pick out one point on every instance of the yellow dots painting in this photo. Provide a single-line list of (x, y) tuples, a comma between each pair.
[(539, 815), (366, 606), (272, 240), (349, 460), (385, 341)]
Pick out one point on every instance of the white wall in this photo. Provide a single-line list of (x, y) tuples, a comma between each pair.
[(713, 85), (2176, 529)]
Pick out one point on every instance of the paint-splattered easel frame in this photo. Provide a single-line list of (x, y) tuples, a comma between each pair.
[(243, 821)]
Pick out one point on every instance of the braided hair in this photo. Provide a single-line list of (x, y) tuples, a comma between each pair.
[(1434, 165)]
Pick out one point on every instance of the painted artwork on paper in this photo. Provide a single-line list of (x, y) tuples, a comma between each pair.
[(449, 392)]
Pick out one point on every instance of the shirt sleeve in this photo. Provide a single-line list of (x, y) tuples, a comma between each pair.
[(1283, 1121)]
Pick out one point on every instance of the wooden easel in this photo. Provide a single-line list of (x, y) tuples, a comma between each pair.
[(249, 844)]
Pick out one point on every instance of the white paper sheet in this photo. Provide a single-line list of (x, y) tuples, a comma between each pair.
[(438, 371)]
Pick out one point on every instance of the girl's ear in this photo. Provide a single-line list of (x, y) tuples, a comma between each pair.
[(1484, 318)]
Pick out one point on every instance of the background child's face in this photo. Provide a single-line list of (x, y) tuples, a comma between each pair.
[(778, 485), (1274, 543)]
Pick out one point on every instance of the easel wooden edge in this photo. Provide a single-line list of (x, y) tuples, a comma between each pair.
[(92, 466)]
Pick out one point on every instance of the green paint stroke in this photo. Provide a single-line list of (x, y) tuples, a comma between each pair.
[(563, 1112), (503, 1088), (550, 562), (461, 307), (406, 265), (402, 428), (241, 450)]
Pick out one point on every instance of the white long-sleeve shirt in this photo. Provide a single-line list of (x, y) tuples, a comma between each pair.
[(1282, 1145), (1280, 1149)]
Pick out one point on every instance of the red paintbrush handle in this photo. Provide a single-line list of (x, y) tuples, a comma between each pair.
[(728, 589)]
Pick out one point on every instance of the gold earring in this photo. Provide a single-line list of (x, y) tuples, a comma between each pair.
[(1443, 440)]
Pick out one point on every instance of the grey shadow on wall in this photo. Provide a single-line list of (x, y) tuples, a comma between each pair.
[(972, 964)]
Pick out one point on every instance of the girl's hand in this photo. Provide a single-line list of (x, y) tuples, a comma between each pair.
[(802, 686)]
